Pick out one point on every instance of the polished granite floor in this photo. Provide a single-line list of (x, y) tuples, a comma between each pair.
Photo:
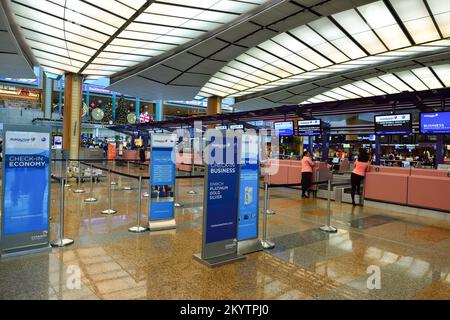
[(412, 252)]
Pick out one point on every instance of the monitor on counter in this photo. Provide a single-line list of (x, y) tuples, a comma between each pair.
[(285, 128), (435, 122), (309, 127), (57, 142), (393, 124), (336, 160)]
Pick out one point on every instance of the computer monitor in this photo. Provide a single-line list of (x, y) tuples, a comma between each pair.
[(336, 160)]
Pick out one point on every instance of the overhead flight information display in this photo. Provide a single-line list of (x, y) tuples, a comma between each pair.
[(309, 127), (435, 122), (285, 128), (393, 124)]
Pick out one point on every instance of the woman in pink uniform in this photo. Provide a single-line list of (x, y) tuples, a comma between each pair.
[(307, 171), (359, 172)]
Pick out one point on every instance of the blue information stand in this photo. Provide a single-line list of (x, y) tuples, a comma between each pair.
[(220, 208), (25, 205), (162, 182), (249, 196)]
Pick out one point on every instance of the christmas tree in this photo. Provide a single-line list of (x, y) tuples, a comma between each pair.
[(121, 112), (108, 112)]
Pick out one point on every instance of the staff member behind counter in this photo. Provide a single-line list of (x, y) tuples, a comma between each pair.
[(359, 172), (307, 170)]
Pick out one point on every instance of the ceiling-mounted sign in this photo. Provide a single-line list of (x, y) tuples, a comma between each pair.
[(393, 124)]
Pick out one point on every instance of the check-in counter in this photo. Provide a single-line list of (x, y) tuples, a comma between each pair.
[(130, 155), (91, 153), (429, 189), (424, 188), (290, 172), (387, 184)]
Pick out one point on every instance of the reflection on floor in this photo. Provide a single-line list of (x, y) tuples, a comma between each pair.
[(412, 253)]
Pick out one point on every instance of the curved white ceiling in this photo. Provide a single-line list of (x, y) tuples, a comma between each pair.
[(417, 79), (100, 38), (371, 34)]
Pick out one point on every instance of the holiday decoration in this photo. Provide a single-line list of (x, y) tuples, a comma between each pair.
[(131, 118), (108, 112), (98, 114), (121, 112)]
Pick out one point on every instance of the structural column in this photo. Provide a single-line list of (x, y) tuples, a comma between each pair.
[(113, 106), (377, 150), (159, 112), (72, 114), (60, 99), (48, 89), (439, 153), (325, 144), (214, 105), (138, 111)]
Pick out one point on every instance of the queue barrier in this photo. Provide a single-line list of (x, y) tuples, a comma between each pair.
[(61, 241)]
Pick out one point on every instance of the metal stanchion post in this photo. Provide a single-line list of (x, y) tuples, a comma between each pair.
[(127, 187), (91, 196), (176, 203), (61, 241), (78, 189), (269, 211), (109, 210), (192, 191), (264, 242), (328, 227), (66, 185), (114, 167), (138, 228)]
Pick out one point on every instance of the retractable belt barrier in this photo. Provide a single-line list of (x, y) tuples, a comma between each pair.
[(61, 241), (327, 227)]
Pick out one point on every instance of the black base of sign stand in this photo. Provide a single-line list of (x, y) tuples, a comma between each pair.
[(218, 261)]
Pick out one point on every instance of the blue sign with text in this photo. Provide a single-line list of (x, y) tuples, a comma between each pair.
[(26, 182), (248, 189), (222, 191), (162, 178)]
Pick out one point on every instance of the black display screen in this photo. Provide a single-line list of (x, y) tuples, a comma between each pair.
[(393, 124), (309, 127)]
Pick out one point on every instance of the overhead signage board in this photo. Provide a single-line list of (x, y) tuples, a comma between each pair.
[(393, 124), (25, 205), (285, 128), (162, 180), (309, 127), (435, 122), (236, 126)]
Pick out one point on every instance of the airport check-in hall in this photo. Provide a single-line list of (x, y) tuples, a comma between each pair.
[(225, 150)]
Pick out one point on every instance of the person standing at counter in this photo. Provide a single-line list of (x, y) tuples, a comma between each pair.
[(359, 172), (307, 170)]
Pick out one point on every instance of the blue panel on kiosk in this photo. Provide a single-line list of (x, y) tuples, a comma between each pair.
[(222, 207), (248, 189), (162, 176), (161, 210), (26, 204), (162, 169)]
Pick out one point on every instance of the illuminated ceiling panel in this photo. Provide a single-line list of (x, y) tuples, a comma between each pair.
[(371, 34), (87, 32), (418, 79)]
